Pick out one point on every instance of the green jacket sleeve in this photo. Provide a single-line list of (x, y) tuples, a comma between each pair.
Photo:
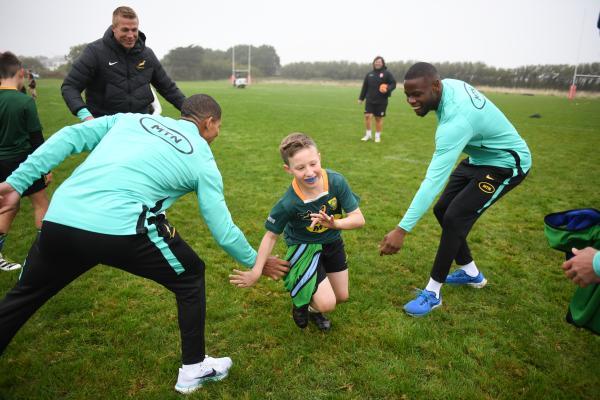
[(217, 217), (72, 139), (450, 140)]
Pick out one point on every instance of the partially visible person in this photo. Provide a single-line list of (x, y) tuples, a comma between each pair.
[(111, 211), (310, 215), (376, 89), (31, 85), (116, 72), (20, 135), (584, 268)]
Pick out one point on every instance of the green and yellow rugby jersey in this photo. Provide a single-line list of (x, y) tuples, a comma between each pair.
[(291, 214)]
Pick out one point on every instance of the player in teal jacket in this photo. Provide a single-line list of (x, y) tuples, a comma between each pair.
[(498, 161), (111, 211)]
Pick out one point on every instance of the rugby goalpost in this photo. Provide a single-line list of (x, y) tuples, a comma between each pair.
[(235, 71), (573, 87)]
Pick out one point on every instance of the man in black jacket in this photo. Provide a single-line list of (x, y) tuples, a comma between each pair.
[(116, 72), (377, 87)]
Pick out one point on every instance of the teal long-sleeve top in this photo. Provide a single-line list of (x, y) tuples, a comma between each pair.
[(467, 122), (138, 167)]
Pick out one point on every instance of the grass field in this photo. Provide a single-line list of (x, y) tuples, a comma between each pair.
[(110, 335)]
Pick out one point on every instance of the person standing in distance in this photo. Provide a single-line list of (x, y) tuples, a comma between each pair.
[(377, 87), (116, 72), (498, 161)]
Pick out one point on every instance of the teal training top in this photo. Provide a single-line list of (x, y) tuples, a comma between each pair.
[(469, 123), (138, 167), (596, 263), (291, 214)]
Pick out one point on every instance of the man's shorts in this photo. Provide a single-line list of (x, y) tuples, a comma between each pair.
[(377, 110), (8, 166), (309, 266)]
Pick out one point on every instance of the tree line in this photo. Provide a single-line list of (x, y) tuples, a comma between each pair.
[(477, 73), (198, 63)]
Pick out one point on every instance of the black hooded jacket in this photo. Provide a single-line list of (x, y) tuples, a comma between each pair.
[(116, 80), (370, 88)]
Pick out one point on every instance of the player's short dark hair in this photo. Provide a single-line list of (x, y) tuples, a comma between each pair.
[(293, 143), (421, 70), (125, 12), (201, 106), (9, 65)]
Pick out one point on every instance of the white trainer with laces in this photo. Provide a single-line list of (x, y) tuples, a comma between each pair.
[(8, 265), (211, 369), (366, 138)]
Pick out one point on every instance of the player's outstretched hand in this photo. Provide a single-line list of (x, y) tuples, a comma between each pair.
[(392, 242), (328, 221), (275, 268), (243, 279), (9, 198)]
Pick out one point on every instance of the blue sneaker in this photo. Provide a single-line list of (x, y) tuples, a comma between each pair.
[(460, 277), (422, 304)]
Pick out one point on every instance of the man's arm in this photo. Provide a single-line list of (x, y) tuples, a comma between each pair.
[(165, 85), (217, 217), (363, 91), (72, 139), (81, 74), (451, 139)]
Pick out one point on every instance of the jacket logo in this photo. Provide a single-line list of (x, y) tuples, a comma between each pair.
[(477, 99), (171, 136), (111, 63), (381, 74), (486, 187), (141, 65)]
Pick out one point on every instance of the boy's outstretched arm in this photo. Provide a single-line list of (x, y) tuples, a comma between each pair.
[(352, 220), (245, 279)]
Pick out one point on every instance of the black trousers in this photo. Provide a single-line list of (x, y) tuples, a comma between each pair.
[(471, 190), (60, 254)]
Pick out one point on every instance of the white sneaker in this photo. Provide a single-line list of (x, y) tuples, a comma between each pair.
[(377, 138), (7, 265), (366, 138), (211, 369)]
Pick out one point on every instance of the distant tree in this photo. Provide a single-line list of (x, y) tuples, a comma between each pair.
[(74, 53)]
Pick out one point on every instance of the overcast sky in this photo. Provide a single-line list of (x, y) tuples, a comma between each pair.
[(506, 33)]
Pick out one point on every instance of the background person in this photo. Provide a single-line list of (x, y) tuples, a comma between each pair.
[(116, 72), (377, 87)]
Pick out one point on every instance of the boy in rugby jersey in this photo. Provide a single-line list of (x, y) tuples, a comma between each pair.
[(310, 214)]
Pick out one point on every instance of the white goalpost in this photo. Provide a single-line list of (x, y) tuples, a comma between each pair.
[(241, 77)]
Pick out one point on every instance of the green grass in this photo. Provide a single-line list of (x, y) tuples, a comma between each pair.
[(111, 335)]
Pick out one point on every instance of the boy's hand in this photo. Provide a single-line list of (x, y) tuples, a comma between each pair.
[(328, 221), (243, 279)]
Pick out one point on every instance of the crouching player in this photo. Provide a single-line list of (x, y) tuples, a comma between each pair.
[(310, 216)]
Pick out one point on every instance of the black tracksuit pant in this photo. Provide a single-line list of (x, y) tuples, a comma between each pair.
[(60, 254), (471, 190)]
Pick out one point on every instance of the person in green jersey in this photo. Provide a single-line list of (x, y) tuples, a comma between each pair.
[(310, 215), (498, 161), (111, 211), (20, 135)]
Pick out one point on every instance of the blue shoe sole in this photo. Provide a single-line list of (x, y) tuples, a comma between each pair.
[(422, 315)]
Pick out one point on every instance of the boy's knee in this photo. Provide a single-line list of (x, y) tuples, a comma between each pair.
[(342, 297), (325, 305)]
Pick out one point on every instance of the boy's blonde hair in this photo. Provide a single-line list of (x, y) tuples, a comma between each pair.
[(125, 12), (293, 143)]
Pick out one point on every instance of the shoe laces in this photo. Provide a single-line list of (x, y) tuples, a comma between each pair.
[(424, 295)]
